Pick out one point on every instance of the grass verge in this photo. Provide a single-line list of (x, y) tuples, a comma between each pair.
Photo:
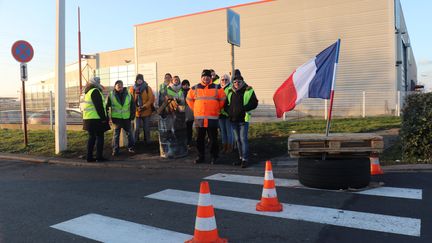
[(267, 140)]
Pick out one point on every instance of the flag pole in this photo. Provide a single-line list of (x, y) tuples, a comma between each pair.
[(332, 88)]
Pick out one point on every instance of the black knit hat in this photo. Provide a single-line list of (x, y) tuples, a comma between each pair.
[(206, 72), (139, 76), (185, 82)]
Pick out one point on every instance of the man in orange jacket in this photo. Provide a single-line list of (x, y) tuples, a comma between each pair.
[(206, 100)]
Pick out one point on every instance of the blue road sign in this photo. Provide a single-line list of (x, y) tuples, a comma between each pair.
[(233, 26)]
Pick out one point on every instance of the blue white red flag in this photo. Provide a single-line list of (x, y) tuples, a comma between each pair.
[(314, 79)]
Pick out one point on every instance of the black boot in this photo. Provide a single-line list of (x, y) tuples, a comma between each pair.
[(244, 164)]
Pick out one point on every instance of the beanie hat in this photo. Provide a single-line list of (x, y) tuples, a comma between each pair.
[(206, 72), (139, 76), (184, 82)]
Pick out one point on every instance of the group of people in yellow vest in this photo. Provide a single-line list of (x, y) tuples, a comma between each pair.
[(214, 103)]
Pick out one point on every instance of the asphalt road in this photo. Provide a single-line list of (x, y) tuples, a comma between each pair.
[(34, 197)]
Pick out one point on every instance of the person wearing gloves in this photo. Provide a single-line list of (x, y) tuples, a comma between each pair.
[(95, 119), (241, 100), (143, 98), (122, 112)]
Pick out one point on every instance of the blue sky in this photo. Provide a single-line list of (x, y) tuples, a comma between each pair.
[(108, 25)]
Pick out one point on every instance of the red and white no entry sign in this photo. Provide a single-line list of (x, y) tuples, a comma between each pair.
[(22, 51)]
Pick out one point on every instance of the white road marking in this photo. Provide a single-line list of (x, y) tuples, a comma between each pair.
[(106, 229), (407, 193), (344, 218)]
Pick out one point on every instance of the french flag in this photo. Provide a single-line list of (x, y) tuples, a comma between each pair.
[(314, 79)]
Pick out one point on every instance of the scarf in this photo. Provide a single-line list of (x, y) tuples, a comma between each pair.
[(175, 87), (138, 89)]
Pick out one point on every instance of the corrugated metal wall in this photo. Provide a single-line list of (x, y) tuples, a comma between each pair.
[(277, 37)]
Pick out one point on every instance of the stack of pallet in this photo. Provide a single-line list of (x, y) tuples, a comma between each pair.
[(335, 145)]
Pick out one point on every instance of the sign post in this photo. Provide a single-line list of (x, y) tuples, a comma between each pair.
[(233, 34), (23, 52)]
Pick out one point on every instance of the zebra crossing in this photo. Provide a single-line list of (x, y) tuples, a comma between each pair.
[(106, 229)]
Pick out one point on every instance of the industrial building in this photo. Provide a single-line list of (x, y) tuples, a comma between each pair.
[(377, 68)]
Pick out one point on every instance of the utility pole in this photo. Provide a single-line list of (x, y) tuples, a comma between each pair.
[(60, 87), (79, 51)]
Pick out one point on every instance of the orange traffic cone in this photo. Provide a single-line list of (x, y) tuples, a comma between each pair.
[(375, 165), (269, 201), (205, 223)]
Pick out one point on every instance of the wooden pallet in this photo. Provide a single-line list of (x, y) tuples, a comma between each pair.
[(340, 144)]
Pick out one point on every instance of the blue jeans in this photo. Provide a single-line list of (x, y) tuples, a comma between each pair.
[(226, 131), (241, 136), (126, 125), (143, 122)]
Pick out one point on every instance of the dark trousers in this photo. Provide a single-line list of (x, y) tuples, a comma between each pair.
[(201, 141), (126, 125), (98, 139), (189, 127)]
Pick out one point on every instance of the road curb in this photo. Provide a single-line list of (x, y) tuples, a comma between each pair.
[(74, 163), (257, 167)]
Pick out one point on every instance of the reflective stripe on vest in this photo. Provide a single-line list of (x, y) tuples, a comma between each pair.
[(89, 110), (119, 111), (177, 95), (246, 98)]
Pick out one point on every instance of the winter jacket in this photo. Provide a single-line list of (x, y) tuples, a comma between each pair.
[(237, 109), (206, 101), (96, 125), (147, 99), (121, 97), (188, 110)]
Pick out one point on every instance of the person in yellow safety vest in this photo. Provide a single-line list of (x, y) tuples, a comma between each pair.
[(224, 122), (163, 88), (122, 112), (206, 101), (215, 77), (95, 120), (241, 100)]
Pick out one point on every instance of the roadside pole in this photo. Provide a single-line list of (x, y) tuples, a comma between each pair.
[(232, 62), (60, 103), (51, 111), (23, 52), (23, 112), (233, 35)]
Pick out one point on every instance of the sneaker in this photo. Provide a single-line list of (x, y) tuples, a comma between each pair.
[(244, 164), (131, 150)]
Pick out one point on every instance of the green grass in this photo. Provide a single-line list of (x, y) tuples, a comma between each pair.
[(267, 140), (270, 139)]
